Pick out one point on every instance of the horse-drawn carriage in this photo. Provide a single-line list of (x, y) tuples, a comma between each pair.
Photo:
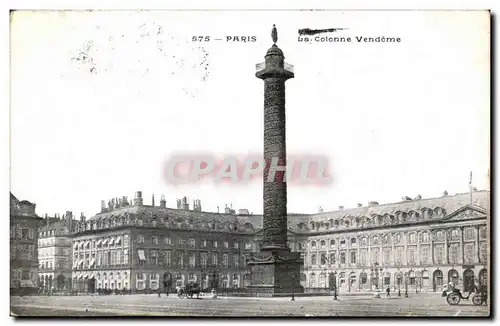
[(189, 290)]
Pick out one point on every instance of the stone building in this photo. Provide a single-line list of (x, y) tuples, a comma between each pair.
[(54, 252), (424, 243), (136, 246), (416, 243), (23, 245)]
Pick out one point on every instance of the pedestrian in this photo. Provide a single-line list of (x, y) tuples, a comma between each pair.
[(159, 293), (388, 291)]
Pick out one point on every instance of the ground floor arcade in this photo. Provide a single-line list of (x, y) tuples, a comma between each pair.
[(415, 279)]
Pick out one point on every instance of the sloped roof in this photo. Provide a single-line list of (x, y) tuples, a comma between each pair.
[(60, 227), (448, 203), (195, 216)]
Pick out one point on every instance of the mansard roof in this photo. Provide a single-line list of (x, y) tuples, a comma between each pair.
[(60, 227), (401, 213), (410, 211)]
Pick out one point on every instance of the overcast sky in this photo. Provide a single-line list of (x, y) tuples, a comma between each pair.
[(100, 99)]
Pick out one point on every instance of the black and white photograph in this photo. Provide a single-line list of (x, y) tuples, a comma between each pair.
[(250, 163)]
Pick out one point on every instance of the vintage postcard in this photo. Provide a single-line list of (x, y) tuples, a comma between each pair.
[(250, 163)]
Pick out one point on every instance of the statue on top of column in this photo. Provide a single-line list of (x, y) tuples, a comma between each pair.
[(274, 34)]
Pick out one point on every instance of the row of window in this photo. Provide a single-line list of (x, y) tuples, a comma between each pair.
[(58, 265), (387, 239), (19, 233), (178, 223), (396, 258), (191, 243), (22, 275), (101, 259), (22, 252), (101, 243), (375, 219), (181, 259)]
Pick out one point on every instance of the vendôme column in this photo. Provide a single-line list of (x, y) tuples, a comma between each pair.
[(274, 75), (275, 270)]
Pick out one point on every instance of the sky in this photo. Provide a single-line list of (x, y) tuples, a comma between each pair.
[(99, 100)]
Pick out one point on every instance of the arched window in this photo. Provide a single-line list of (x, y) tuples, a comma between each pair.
[(312, 280), (313, 245), (332, 243), (323, 259), (333, 259), (313, 259), (322, 280), (323, 244)]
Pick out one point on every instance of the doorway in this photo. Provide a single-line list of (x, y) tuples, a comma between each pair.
[(468, 279)]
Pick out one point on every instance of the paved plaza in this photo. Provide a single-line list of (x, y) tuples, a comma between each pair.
[(430, 304)]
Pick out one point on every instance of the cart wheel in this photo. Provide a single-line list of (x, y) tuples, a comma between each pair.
[(477, 300), (453, 299)]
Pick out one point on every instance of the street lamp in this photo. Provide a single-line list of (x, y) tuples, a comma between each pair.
[(399, 284), (376, 274), (293, 287), (335, 285), (406, 284)]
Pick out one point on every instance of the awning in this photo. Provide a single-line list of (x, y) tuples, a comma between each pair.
[(111, 241), (92, 262), (75, 264), (81, 244), (80, 276), (104, 242), (118, 240), (86, 276), (141, 254), (98, 242), (75, 246)]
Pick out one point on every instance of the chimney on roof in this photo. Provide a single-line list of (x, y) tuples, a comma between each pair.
[(360, 205), (320, 210), (372, 203), (217, 209), (185, 203), (341, 208), (445, 193), (163, 202), (153, 200), (197, 205), (138, 198), (406, 198), (82, 217), (418, 197), (103, 206)]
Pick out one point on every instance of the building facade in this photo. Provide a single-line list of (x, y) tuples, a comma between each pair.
[(419, 244), (23, 245), (140, 247), (55, 252)]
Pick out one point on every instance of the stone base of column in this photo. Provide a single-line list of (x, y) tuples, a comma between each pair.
[(275, 273)]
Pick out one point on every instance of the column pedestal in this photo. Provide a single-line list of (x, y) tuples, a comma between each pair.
[(275, 273)]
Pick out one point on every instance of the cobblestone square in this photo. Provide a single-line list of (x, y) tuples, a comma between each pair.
[(151, 305)]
